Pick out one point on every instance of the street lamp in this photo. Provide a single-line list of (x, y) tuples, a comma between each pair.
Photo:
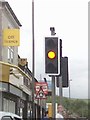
[(33, 62), (69, 89)]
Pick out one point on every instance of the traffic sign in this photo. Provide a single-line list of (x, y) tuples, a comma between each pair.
[(40, 94), (41, 86)]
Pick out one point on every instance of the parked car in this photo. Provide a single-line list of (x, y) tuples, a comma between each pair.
[(9, 116)]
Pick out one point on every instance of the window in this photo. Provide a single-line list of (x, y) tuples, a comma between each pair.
[(10, 54), (27, 83), (8, 105)]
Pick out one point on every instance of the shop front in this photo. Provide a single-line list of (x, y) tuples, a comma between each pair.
[(13, 99)]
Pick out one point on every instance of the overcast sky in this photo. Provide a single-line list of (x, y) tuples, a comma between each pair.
[(70, 19)]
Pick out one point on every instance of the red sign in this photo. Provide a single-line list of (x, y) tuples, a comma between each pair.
[(41, 86)]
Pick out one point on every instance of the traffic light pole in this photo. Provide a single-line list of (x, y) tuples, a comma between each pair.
[(60, 89), (53, 97), (60, 77)]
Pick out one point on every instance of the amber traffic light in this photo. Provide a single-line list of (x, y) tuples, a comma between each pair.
[(51, 55)]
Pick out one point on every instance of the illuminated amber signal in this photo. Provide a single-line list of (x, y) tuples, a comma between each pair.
[(51, 54)]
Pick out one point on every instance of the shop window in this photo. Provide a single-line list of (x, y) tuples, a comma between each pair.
[(8, 105), (11, 105), (5, 105)]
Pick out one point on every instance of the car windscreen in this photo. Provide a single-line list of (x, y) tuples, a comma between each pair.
[(6, 118)]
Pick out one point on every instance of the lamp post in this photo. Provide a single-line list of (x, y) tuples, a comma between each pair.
[(33, 62), (70, 89)]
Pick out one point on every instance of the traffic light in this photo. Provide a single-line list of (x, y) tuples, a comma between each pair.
[(64, 72), (52, 55)]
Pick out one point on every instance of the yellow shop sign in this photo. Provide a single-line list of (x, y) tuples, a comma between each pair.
[(11, 37)]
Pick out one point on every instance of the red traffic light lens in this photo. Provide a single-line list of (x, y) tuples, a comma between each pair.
[(51, 54)]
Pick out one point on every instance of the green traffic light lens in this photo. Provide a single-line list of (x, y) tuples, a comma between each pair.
[(51, 54)]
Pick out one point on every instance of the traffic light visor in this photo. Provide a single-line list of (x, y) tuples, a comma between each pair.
[(51, 54)]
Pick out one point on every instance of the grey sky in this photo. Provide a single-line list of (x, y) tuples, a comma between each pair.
[(70, 19)]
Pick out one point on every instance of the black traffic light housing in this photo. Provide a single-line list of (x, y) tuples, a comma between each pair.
[(52, 58), (64, 72), (63, 69)]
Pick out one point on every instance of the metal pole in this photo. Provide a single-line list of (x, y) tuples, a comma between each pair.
[(60, 89), (70, 89), (60, 77), (33, 81), (53, 97), (40, 108)]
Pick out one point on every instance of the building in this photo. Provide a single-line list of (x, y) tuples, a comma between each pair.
[(15, 78), (8, 20)]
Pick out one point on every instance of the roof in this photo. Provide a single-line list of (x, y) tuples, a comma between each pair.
[(2, 113), (11, 11)]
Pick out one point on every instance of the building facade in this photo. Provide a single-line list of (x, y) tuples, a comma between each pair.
[(15, 76), (8, 20), (15, 82)]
